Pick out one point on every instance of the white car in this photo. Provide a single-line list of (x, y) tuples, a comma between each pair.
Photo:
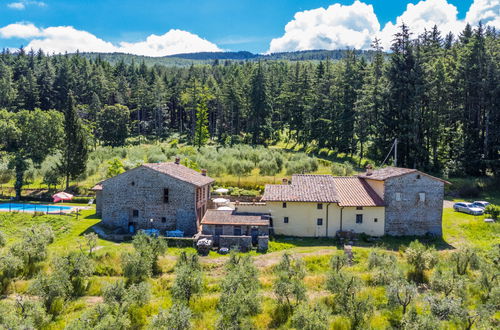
[(468, 208), (480, 204)]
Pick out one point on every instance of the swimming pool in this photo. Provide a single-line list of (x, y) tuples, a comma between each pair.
[(20, 207)]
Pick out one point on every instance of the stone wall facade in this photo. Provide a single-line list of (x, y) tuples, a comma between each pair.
[(137, 196), (244, 243), (98, 202), (414, 205)]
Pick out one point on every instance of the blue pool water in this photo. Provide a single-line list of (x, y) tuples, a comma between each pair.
[(33, 207)]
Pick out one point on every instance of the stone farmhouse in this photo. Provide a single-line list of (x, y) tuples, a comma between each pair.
[(390, 201), (164, 196)]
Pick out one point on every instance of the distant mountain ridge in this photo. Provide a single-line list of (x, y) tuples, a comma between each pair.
[(239, 56)]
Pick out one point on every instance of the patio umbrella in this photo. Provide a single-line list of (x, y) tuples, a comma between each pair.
[(221, 201), (222, 191), (62, 196), (224, 208)]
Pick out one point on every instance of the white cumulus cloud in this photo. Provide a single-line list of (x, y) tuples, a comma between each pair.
[(19, 30), (60, 39), (338, 26), (356, 25), (172, 42)]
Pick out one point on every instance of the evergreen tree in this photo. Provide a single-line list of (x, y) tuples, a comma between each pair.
[(75, 147)]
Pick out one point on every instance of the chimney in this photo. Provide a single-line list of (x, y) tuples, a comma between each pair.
[(284, 181), (203, 172), (177, 160), (369, 169)]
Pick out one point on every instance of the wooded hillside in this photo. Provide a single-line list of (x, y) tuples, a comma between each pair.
[(438, 95)]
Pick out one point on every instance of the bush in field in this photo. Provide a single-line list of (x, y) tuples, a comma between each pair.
[(53, 290), (338, 261), (33, 248), (3, 240), (79, 267), (24, 314), (136, 268), (493, 211), (401, 293), (414, 320), (10, 267), (463, 259), (447, 282), (188, 281), (240, 297), (240, 168), (307, 317), (151, 247), (344, 169), (385, 269), (289, 285), (420, 258), (358, 310), (301, 163), (343, 285), (102, 316), (489, 282), (91, 240), (178, 317), (444, 308), (119, 293)]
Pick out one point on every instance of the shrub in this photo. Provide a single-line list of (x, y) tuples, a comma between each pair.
[(53, 290), (415, 320), (447, 282), (463, 259), (136, 268), (150, 247), (3, 240), (239, 293), (10, 267), (188, 278), (178, 317), (308, 317), (493, 211), (289, 285), (444, 308), (401, 293), (420, 258)]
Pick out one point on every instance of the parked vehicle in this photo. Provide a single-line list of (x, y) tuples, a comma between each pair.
[(480, 204), (468, 208)]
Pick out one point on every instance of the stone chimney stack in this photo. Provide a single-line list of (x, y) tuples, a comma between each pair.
[(369, 169), (177, 160), (284, 181), (203, 172)]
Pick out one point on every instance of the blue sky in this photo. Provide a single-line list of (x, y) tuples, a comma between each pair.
[(221, 24)]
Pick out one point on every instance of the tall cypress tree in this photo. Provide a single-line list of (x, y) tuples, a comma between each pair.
[(75, 148)]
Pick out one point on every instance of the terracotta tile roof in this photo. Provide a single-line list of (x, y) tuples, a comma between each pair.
[(180, 172), (354, 191), (222, 217), (391, 172), (386, 173), (304, 188)]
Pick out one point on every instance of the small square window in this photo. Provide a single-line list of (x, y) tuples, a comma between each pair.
[(135, 213), (375, 220), (163, 220), (359, 207), (319, 222), (285, 220), (421, 196), (398, 197), (320, 206), (284, 205), (359, 218), (237, 231), (132, 183), (418, 176)]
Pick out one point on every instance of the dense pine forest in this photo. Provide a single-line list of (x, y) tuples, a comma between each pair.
[(438, 95)]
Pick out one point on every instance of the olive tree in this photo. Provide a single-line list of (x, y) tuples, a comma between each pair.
[(3, 240), (178, 317), (240, 296), (463, 259), (307, 317), (289, 285), (188, 278), (420, 258), (401, 293)]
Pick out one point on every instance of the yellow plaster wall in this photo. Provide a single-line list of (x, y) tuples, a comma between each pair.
[(378, 186), (368, 226)]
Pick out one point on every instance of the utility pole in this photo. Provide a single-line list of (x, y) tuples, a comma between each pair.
[(395, 152)]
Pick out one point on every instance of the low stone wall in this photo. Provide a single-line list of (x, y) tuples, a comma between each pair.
[(243, 242)]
